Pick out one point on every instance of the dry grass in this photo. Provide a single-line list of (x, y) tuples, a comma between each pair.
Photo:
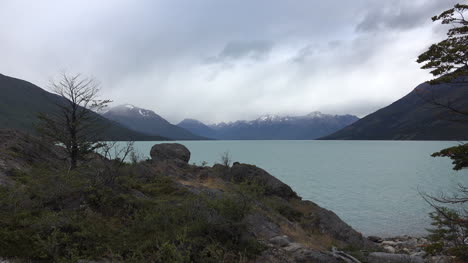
[(316, 241), (210, 182)]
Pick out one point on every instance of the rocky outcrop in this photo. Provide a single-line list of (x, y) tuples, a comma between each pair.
[(170, 151), (240, 173), (330, 223)]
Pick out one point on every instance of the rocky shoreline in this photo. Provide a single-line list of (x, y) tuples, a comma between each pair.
[(404, 249)]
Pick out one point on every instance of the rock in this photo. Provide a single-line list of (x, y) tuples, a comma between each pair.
[(250, 173), (344, 256), (389, 243), (281, 241), (329, 223), (419, 254), (410, 243), (274, 255), (308, 255), (170, 151), (138, 194), (262, 227), (2, 165), (389, 249), (381, 257), (440, 259), (375, 239), (292, 247)]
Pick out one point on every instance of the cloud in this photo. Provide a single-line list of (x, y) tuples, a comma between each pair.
[(233, 50), (403, 16), (225, 60)]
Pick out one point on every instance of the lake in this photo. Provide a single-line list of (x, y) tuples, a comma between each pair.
[(371, 185)]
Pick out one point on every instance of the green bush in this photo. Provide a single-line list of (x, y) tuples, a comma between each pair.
[(449, 235)]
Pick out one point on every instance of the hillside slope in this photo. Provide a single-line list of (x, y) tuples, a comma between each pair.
[(21, 101), (414, 117)]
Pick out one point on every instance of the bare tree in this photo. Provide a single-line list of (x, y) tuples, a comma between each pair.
[(114, 155), (226, 159), (74, 124)]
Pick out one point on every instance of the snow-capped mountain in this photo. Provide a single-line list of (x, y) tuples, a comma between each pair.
[(273, 127), (147, 121)]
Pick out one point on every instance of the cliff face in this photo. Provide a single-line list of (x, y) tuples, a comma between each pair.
[(240, 204)]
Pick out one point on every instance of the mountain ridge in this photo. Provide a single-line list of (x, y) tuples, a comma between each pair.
[(147, 121), (272, 127), (414, 117)]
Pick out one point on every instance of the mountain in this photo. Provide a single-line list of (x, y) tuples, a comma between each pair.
[(273, 127), (146, 121), (197, 127), (21, 101), (414, 117)]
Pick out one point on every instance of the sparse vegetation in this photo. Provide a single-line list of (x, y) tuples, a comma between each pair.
[(226, 159), (54, 217)]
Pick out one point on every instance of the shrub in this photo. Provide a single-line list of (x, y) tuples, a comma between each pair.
[(53, 216), (449, 235)]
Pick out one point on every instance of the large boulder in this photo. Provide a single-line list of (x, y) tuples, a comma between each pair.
[(170, 151), (329, 223), (240, 173)]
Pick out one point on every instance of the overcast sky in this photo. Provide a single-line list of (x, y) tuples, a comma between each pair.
[(222, 60)]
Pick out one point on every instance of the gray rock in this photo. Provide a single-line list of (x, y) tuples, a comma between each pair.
[(389, 243), (281, 241), (330, 223), (440, 259), (419, 254), (170, 151), (308, 255), (380, 257), (262, 227), (293, 247), (375, 239), (389, 249), (410, 243)]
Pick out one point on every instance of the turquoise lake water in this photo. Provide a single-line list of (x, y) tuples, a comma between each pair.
[(371, 185)]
